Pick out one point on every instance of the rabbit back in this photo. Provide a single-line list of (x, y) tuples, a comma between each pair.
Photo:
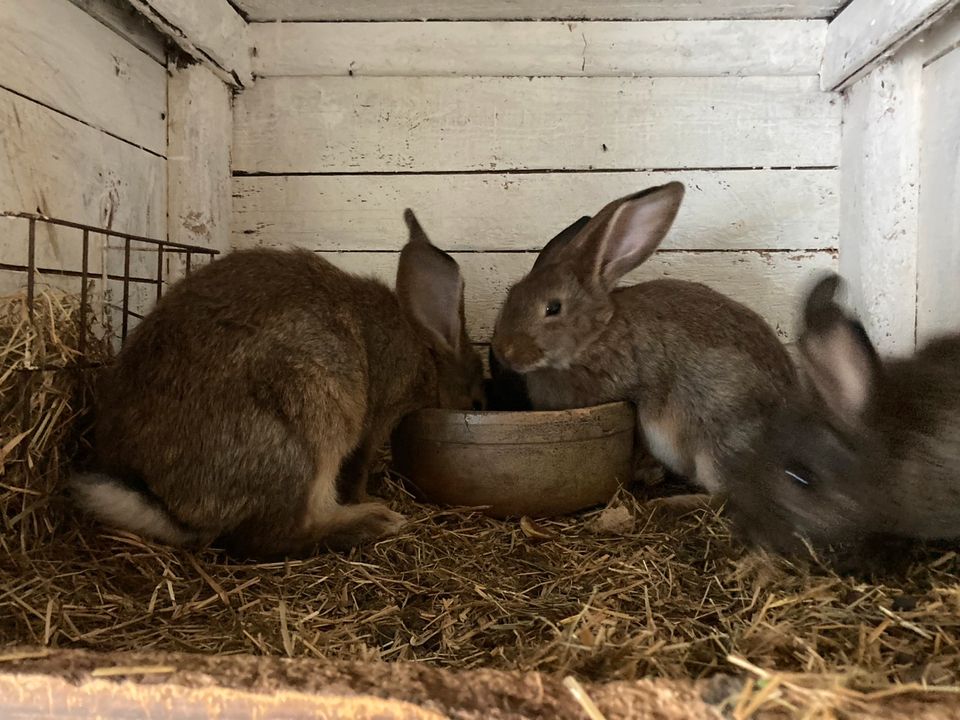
[(916, 414), (248, 376), (702, 369)]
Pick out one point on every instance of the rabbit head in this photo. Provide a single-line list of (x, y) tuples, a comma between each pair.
[(564, 302), (506, 389), (814, 477), (430, 292)]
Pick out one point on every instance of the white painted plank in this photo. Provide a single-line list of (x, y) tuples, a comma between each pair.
[(940, 38), (761, 209), (770, 283), (339, 124), (211, 32), (66, 169), (938, 262), (198, 167), (878, 192), (867, 31), (535, 9), (120, 17), (89, 73), (63, 168), (507, 49)]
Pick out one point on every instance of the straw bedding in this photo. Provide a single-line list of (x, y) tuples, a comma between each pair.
[(628, 591)]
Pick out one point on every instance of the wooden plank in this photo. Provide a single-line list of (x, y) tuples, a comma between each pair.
[(337, 124), (66, 169), (878, 191), (940, 38), (322, 10), (938, 262), (211, 32), (198, 168), (55, 683), (758, 47), (760, 209), (867, 31), (89, 73), (120, 17), (769, 282), (42, 696)]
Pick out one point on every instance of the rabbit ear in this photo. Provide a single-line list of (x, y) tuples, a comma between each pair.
[(552, 249), (430, 287), (413, 225), (837, 355), (632, 228)]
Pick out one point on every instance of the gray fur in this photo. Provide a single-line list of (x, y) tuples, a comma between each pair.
[(704, 371)]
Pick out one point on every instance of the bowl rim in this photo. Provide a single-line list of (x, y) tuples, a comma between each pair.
[(519, 418)]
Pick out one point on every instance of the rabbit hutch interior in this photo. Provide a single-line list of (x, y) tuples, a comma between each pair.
[(142, 139)]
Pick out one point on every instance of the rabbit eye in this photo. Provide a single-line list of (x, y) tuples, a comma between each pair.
[(553, 308), (800, 475)]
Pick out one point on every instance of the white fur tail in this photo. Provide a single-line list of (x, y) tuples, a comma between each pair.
[(117, 504)]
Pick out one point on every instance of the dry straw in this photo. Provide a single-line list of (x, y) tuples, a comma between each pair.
[(627, 592)]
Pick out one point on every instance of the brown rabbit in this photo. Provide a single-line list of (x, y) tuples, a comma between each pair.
[(248, 406), (704, 371), (873, 449)]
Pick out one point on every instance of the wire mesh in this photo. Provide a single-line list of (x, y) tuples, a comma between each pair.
[(119, 284)]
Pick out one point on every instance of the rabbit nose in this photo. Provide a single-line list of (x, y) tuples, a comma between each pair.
[(519, 353)]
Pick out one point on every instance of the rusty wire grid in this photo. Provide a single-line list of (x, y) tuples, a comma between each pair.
[(56, 331), (162, 248)]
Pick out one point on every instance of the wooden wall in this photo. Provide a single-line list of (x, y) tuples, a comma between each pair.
[(900, 223), (82, 120), (938, 259), (501, 133), (96, 129), (83, 137)]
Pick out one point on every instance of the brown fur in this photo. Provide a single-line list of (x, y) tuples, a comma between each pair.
[(704, 371), (250, 402), (878, 444)]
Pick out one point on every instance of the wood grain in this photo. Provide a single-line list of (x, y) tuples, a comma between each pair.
[(509, 49), (198, 168), (88, 72), (867, 31), (211, 32), (66, 169), (879, 196), (129, 24), (732, 209), (336, 125), (938, 261), (770, 283), (535, 9)]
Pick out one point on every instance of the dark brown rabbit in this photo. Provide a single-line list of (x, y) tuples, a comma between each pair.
[(704, 371), (248, 406), (506, 389), (872, 449)]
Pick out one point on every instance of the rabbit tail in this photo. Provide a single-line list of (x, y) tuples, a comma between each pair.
[(122, 505)]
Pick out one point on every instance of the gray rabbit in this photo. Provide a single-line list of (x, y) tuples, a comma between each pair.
[(247, 407), (871, 450), (506, 389), (704, 371)]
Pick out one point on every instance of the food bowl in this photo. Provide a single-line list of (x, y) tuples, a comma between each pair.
[(540, 463)]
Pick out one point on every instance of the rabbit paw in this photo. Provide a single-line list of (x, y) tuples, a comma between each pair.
[(384, 522), (684, 503)]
